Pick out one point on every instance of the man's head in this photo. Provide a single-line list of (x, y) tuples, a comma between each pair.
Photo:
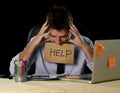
[(59, 18)]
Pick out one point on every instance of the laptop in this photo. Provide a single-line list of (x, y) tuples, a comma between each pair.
[(106, 62)]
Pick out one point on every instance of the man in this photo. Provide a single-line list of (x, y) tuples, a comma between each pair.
[(58, 28)]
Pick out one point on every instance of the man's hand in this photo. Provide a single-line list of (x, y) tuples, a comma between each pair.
[(77, 40), (42, 35)]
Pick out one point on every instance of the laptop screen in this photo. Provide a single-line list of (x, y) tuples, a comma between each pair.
[(106, 60)]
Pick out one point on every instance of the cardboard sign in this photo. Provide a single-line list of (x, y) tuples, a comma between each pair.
[(59, 53)]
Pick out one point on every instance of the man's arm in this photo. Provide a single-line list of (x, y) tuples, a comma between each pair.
[(88, 51), (79, 41), (28, 51)]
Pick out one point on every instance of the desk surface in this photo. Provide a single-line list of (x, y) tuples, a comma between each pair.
[(58, 86)]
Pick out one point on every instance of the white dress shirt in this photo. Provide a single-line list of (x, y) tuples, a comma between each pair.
[(51, 68)]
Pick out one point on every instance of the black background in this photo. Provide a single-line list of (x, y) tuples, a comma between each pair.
[(101, 19)]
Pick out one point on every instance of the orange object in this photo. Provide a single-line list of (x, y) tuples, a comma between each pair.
[(72, 77), (99, 49), (112, 61)]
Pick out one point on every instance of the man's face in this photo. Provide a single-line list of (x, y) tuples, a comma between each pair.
[(59, 36)]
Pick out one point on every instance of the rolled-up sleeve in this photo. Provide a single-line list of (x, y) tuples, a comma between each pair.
[(90, 43), (32, 59), (89, 64)]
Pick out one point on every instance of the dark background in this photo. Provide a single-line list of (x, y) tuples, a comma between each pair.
[(100, 19)]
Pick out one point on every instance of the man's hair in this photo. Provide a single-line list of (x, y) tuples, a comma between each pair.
[(59, 17)]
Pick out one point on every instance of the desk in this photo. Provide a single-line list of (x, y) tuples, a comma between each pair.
[(57, 86)]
